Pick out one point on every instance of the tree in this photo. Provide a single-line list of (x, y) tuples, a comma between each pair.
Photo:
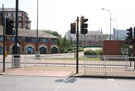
[(52, 33), (59, 40)]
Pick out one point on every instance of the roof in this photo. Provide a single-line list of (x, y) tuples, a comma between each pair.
[(31, 33), (10, 9)]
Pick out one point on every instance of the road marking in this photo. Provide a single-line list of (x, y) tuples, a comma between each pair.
[(111, 80)]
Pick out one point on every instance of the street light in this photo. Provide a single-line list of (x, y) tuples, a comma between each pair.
[(117, 26), (110, 19), (37, 51)]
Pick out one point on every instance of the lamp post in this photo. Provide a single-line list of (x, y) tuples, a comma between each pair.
[(37, 51), (110, 19), (117, 27)]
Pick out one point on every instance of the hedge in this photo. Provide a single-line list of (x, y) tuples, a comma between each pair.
[(93, 52)]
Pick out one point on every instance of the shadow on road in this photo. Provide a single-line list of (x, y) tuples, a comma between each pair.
[(68, 80)]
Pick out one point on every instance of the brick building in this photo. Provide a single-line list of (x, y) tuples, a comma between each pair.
[(27, 39), (23, 19), (115, 47)]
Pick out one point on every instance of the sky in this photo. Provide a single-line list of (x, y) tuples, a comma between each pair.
[(57, 15)]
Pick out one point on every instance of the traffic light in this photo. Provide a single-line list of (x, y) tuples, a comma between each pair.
[(129, 37), (9, 27), (84, 26), (73, 28)]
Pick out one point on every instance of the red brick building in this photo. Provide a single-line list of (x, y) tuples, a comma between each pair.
[(27, 39), (114, 47)]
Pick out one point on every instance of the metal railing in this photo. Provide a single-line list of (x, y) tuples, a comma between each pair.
[(32, 60), (109, 66)]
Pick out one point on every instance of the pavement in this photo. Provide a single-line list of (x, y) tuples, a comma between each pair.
[(61, 71)]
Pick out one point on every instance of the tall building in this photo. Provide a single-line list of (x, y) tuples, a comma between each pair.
[(23, 19), (119, 34)]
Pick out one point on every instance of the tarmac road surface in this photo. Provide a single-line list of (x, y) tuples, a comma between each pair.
[(38, 83)]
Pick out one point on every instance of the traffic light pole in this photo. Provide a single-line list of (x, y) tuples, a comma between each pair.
[(134, 46), (3, 22), (77, 38), (16, 46)]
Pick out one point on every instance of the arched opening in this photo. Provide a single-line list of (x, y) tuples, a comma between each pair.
[(30, 50), (42, 50), (1, 50), (54, 50)]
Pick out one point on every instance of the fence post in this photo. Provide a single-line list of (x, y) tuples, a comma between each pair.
[(64, 60), (105, 65), (84, 64)]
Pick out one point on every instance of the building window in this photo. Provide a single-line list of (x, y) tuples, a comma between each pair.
[(1, 50), (54, 50), (20, 24), (20, 38), (20, 18), (12, 39), (1, 39), (42, 50), (99, 37), (29, 39), (19, 14), (43, 40), (53, 40), (9, 14), (30, 50)]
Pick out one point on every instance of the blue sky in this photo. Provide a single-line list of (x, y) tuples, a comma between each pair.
[(57, 15)]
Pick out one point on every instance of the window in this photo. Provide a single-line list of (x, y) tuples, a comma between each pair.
[(20, 38), (20, 24), (19, 14), (45, 40), (12, 39), (53, 40), (20, 18), (99, 37), (9, 14), (1, 39), (29, 39), (42, 40)]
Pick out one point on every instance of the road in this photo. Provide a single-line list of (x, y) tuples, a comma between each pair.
[(37, 83)]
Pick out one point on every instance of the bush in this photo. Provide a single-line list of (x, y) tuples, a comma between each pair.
[(90, 52), (99, 52), (80, 49), (93, 52)]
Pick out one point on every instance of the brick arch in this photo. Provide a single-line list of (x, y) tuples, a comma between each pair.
[(54, 46), (29, 46)]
